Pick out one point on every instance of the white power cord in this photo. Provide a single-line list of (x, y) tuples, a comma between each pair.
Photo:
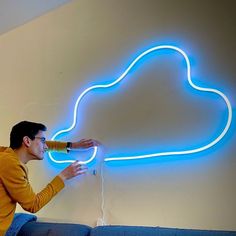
[(101, 221)]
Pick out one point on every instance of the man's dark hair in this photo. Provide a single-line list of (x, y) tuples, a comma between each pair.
[(22, 129)]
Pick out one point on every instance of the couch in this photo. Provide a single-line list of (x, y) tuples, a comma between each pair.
[(35, 228)]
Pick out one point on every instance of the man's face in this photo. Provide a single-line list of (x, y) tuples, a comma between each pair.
[(38, 146)]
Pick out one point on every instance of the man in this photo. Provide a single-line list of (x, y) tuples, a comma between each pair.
[(28, 142)]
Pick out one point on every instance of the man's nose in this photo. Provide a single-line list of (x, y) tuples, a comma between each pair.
[(45, 146)]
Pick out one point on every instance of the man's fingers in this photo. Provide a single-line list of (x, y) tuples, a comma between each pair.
[(77, 165), (77, 168), (81, 172), (89, 143)]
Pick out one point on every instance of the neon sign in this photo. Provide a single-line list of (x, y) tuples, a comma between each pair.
[(172, 153)]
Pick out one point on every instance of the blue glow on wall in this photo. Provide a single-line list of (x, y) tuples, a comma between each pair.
[(131, 66)]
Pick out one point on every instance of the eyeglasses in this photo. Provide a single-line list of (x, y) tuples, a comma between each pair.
[(42, 139)]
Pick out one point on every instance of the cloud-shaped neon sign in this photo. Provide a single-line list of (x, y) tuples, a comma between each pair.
[(171, 153)]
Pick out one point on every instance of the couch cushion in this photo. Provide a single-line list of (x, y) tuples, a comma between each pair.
[(51, 229), (154, 231)]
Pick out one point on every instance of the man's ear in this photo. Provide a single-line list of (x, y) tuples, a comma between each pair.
[(26, 141)]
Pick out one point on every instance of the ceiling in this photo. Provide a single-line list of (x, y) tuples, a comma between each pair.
[(14, 13)]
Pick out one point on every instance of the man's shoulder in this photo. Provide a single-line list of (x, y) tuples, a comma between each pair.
[(3, 149), (8, 158)]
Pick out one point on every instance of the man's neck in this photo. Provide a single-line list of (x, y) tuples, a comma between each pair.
[(22, 155)]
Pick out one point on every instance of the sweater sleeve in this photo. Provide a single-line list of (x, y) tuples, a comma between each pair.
[(56, 146), (17, 185), (52, 146)]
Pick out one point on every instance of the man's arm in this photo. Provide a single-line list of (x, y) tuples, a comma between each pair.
[(67, 146), (14, 179), (56, 146)]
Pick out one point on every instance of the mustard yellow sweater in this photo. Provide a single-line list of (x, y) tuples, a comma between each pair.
[(15, 187)]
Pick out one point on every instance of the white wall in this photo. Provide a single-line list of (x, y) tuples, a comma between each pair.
[(14, 13), (48, 62)]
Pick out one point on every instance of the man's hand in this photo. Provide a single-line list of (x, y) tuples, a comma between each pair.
[(72, 170), (85, 143)]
